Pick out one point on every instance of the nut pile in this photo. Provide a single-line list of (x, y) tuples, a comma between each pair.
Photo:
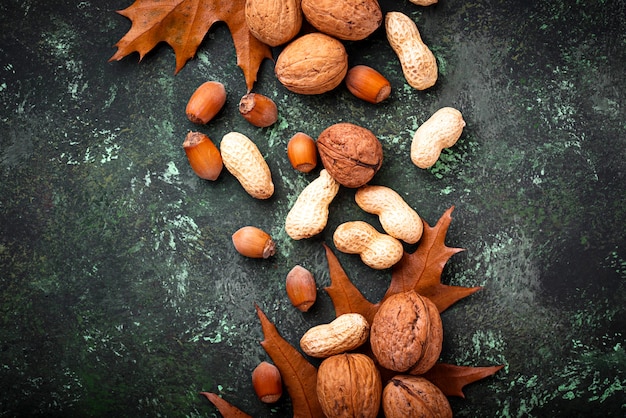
[(405, 336)]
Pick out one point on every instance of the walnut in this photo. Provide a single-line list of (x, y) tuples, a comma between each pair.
[(350, 20), (414, 396), (349, 385), (406, 333), (351, 154), (312, 64)]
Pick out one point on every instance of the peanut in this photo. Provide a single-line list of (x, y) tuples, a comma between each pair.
[(345, 333), (440, 131), (396, 217), (243, 160), (419, 65), (309, 214), (378, 251)]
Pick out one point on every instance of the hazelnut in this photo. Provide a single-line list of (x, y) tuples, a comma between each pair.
[(206, 102), (351, 154), (253, 242), (301, 288), (267, 382), (367, 84), (259, 110), (204, 157), (302, 152)]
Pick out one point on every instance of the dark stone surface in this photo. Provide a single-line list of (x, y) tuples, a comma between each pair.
[(120, 291)]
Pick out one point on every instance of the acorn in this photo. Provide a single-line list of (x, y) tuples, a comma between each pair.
[(259, 110), (204, 157), (301, 288), (302, 152), (367, 84), (253, 242), (206, 102), (267, 382)]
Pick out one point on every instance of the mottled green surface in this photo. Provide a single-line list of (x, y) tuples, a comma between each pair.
[(120, 291)]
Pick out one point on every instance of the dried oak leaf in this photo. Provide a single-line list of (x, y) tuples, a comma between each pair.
[(299, 376), (227, 409), (183, 24), (451, 379), (419, 271)]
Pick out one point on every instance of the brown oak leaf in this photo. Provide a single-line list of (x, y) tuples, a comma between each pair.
[(421, 270), (451, 379), (299, 376), (227, 409), (183, 24)]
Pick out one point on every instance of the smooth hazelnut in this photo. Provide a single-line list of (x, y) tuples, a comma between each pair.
[(301, 288), (302, 152), (204, 157), (259, 110), (253, 242), (206, 102), (267, 382)]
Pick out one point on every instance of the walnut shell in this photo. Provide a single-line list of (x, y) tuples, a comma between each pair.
[(350, 20), (406, 333), (312, 64), (414, 397), (351, 154), (273, 22), (349, 385)]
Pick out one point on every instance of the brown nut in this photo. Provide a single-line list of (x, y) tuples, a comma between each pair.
[(367, 84), (302, 152), (349, 385), (312, 64), (267, 382), (406, 333), (301, 288), (204, 157), (350, 20), (273, 22), (351, 154), (253, 242), (259, 110), (414, 396), (206, 102)]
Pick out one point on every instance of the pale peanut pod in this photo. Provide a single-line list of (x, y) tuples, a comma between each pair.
[(419, 65), (243, 160), (378, 251), (345, 333), (309, 215), (397, 218), (273, 22), (440, 131)]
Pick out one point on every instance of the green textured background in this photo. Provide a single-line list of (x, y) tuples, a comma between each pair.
[(120, 291)]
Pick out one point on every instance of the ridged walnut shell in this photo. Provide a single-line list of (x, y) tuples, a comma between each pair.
[(413, 397), (273, 22), (350, 20), (349, 385), (312, 64), (407, 333), (351, 154)]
